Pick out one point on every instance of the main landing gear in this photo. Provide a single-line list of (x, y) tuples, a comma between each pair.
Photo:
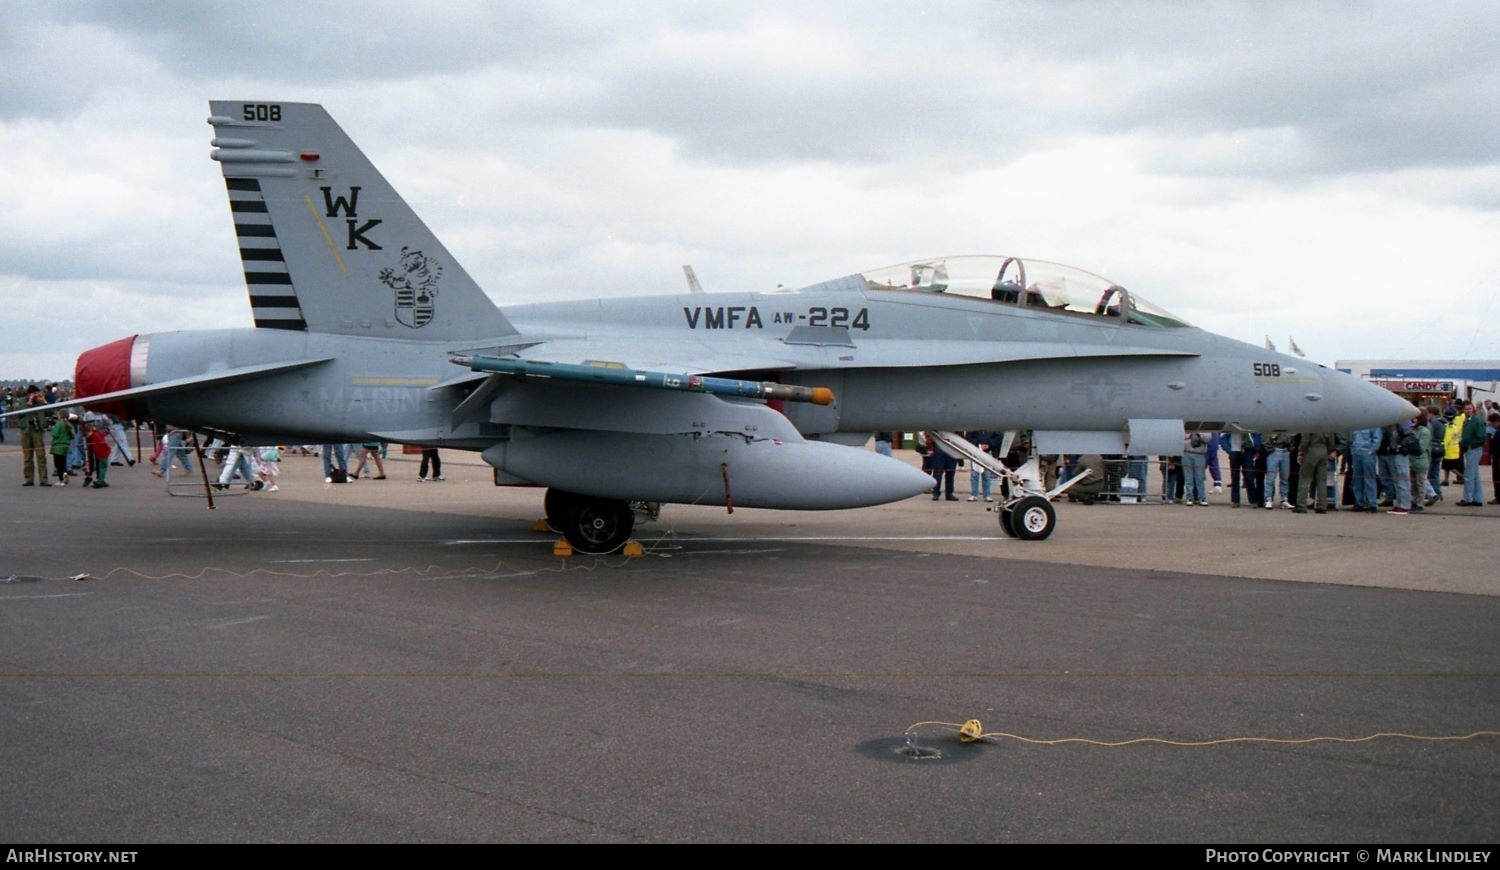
[(593, 526)]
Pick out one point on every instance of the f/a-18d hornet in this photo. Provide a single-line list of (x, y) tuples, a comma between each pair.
[(366, 327)]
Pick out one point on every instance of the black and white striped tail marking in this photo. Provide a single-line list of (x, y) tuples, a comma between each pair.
[(273, 298)]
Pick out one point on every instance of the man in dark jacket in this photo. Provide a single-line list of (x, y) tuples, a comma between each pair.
[(1471, 447), (1495, 454), (1437, 424), (33, 441), (1395, 467), (944, 466)]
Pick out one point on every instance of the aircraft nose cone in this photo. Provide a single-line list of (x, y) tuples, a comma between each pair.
[(1368, 404), (1402, 408)]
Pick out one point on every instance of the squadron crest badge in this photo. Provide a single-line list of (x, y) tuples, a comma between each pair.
[(415, 282)]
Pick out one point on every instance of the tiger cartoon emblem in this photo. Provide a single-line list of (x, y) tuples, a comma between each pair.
[(415, 282)]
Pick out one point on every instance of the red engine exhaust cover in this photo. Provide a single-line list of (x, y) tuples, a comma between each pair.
[(105, 369)]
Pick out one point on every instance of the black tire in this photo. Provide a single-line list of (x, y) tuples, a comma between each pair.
[(598, 526), (1006, 519), (556, 505), (1033, 518)]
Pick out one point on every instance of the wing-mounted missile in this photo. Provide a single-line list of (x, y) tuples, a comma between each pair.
[(618, 375)]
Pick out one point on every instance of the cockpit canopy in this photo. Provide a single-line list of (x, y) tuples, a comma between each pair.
[(1034, 284)]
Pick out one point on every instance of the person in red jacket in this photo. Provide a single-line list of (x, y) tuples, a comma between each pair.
[(99, 448)]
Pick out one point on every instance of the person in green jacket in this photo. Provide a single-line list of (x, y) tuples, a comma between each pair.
[(1471, 442), (1312, 475), (62, 436), (1421, 492)]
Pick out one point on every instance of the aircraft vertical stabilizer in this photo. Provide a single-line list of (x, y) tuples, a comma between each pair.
[(327, 244)]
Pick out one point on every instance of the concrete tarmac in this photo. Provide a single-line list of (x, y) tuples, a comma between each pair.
[(403, 661)]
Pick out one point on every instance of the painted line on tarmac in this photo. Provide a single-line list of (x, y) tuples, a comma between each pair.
[(230, 623), (846, 538), (534, 539), (694, 539), (31, 597)]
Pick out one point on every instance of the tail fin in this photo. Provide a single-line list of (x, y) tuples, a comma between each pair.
[(328, 245)]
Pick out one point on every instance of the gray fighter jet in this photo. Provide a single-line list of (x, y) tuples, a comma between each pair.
[(367, 328)]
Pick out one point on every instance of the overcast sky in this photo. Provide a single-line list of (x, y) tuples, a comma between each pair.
[(1328, 171)]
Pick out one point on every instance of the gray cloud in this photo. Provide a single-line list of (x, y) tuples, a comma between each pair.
[(590, 149), (1359, 85)]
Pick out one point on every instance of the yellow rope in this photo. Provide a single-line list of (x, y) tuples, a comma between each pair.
[(972, 728)]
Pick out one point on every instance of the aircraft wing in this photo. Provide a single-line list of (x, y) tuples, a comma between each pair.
[(610, 396)]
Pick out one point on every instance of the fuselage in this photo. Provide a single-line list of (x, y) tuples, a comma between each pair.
[(894, 360), (924, 361)]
